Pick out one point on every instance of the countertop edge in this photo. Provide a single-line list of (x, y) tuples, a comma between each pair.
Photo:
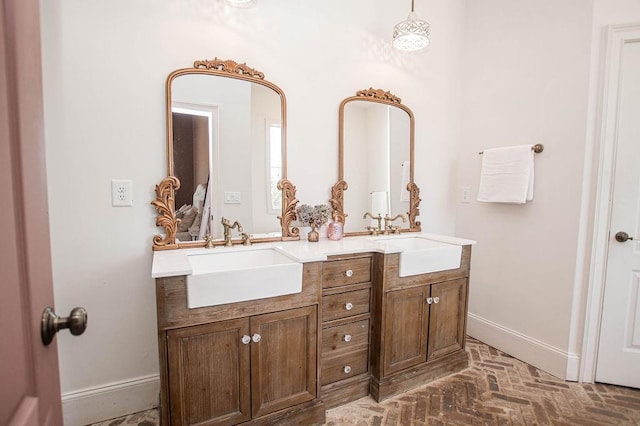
[(171, 263)]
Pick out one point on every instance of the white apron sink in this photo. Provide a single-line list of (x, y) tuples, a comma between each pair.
[(423, 256), (237, 276)]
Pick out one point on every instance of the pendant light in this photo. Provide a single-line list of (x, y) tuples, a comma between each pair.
[(412, 34), (244, 4)]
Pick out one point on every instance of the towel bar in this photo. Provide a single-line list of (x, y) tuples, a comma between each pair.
[(537, 148)]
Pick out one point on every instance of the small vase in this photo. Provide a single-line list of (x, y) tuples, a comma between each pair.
[(313, 235)]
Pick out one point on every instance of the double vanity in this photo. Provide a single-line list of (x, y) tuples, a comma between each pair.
[(270, 329), (279, 332)]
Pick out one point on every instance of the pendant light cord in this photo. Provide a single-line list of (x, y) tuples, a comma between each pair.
[(412, 5)]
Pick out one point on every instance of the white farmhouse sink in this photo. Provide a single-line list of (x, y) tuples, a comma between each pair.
[(236, 276), (422, 256)]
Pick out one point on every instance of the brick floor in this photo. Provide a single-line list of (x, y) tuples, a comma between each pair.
[(496, 389)]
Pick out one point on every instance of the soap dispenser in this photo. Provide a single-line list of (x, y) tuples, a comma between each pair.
[(335, 229)]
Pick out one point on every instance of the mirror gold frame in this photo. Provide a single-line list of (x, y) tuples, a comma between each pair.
[(337, 191), (165, 190)]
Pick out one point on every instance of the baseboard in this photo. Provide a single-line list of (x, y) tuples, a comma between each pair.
[(554, 361), (108, 401)]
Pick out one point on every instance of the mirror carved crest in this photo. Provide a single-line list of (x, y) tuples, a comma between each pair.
[(375, 120), (220, 192)]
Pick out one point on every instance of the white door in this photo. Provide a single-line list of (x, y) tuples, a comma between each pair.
[(618, 359)]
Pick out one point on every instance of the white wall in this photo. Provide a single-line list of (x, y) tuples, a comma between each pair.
[(105, 63), (526, 80)]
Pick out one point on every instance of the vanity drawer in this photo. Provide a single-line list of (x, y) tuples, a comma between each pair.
[(345, 337), (344, 272), (344, 305), (345, 366)]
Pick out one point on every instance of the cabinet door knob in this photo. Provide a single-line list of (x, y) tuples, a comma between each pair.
[(347, 369), (246, 339), (349, 273), (429, 300), (256, 338), (436, 299), (348, 306), (347, 337)]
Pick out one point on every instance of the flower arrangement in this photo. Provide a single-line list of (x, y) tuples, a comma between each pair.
[(313, 216)]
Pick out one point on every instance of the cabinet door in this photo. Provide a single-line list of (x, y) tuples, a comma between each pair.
[(209, 374), (448, 317), (405, 329), (284, 360)]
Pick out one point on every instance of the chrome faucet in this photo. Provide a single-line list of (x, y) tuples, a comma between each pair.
[(389, 228), (226, 224), (371, 229)]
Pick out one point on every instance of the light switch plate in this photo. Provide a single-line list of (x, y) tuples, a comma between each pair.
[(231, 197), (465, 194)]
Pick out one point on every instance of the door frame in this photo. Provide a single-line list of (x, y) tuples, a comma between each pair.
[(616, 37)]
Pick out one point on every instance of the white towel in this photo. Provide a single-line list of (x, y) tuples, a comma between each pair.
[(406, 175), (379, 203), (507, 175)]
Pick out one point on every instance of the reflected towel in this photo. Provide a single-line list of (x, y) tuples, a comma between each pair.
[(507, 175), (379, 203)]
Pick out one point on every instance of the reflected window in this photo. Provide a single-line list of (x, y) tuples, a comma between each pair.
[(274, 168)]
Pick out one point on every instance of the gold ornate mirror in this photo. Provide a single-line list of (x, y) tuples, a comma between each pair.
[(226, 152), (376, 164)]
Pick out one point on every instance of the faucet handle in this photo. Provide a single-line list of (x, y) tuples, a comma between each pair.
[(372, 230), (246, 239), (208, 239)]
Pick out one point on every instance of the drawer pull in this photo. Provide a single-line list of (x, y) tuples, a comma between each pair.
[(246, 339), (429, 300), (348, 306), (349, 273), (436, 299), (347, 337), (256, 338), (347, 369)]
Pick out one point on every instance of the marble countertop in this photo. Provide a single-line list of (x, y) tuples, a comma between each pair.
[(171, 263)]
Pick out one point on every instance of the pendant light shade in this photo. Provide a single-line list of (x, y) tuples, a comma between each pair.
[(245, 4), (412, 34)]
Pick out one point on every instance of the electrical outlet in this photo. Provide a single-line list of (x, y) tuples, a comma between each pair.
[(121, 193), (465, 194)]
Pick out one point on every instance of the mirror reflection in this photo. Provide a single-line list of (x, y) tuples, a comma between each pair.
[(227, 144), (377, 158), (375, 192)]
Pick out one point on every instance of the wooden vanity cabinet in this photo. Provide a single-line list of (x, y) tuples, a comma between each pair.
[(357, 328), (209, 374), (419, 325), (217, 378), (419, 329), (252, 362), (346, 322)]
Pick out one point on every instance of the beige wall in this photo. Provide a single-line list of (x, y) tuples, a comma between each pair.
[(105, 64), (526, 81), (530, 73), (534, 74)]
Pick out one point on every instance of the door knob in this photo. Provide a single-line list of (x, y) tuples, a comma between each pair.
[(51, 323), (622, 236)]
